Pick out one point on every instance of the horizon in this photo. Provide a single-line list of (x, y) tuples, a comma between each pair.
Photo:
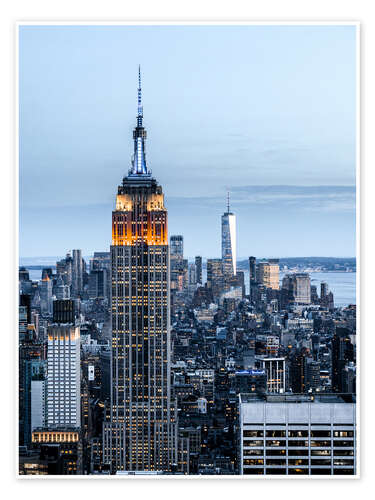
[(239, 259)]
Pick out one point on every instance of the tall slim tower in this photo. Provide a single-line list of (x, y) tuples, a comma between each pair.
[(77, 273), (140, 434), (64, 379), (228, 243)]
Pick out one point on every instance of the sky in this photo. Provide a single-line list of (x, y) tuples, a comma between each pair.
[(265, 112)]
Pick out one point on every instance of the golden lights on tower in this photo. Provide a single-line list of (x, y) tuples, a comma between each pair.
[(139, 219)]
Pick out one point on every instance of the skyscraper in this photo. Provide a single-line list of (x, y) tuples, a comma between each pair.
[(63, 358), (297, 287), (45, 289), (215, 280), (342, 353), (323, 289), (77, 273), (198, 267), (64, 267), (140, 433), (228, 242), (178, 265), (268, 273), (177, 245)]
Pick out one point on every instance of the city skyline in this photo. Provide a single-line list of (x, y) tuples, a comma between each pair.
[(284, 147), (138, 363)]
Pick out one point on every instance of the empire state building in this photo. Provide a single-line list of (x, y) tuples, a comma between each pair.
[(140, 432)]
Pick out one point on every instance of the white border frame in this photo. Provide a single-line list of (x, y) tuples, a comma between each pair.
[(357, 24)]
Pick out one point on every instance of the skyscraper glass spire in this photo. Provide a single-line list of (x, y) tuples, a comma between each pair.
[(228, 242)]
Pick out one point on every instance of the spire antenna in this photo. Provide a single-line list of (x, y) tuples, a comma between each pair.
[(140, 107), (139, 135), (228, 201)]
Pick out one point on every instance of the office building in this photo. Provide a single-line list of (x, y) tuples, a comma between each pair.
[(33, 406), (98, 284), (22, 322), (100, 260), (215, 278), (178, 273), (275, 373), (63, 384), (251, 381), (323, 289), (64, 268), (198, 267), (45, 292), (298, 288), (30, 350), (38, 394), (140, 434), (77, 273), (267, 273), (342, 353), (297, 435), (57, 452), (313, 375), (228, 243), (252, 275), (178, 265), (177, 246), (298, 371), (192, 274), (64, 311), (61, 290)]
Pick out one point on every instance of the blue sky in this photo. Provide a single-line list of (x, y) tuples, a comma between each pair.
[(267, 112)]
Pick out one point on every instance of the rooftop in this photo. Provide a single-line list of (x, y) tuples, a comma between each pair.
[(297, 398)]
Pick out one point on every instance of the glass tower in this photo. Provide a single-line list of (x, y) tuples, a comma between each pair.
[(140, 435), (228, 243)]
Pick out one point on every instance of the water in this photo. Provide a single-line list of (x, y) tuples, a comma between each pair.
[(342, 285)]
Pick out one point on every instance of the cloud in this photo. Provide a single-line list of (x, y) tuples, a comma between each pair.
[(305, 198)]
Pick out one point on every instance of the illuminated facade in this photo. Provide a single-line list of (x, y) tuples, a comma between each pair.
[(267, 274), (140, 433), (228, 243), (275, 370), (297, 434), (63, 381)]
